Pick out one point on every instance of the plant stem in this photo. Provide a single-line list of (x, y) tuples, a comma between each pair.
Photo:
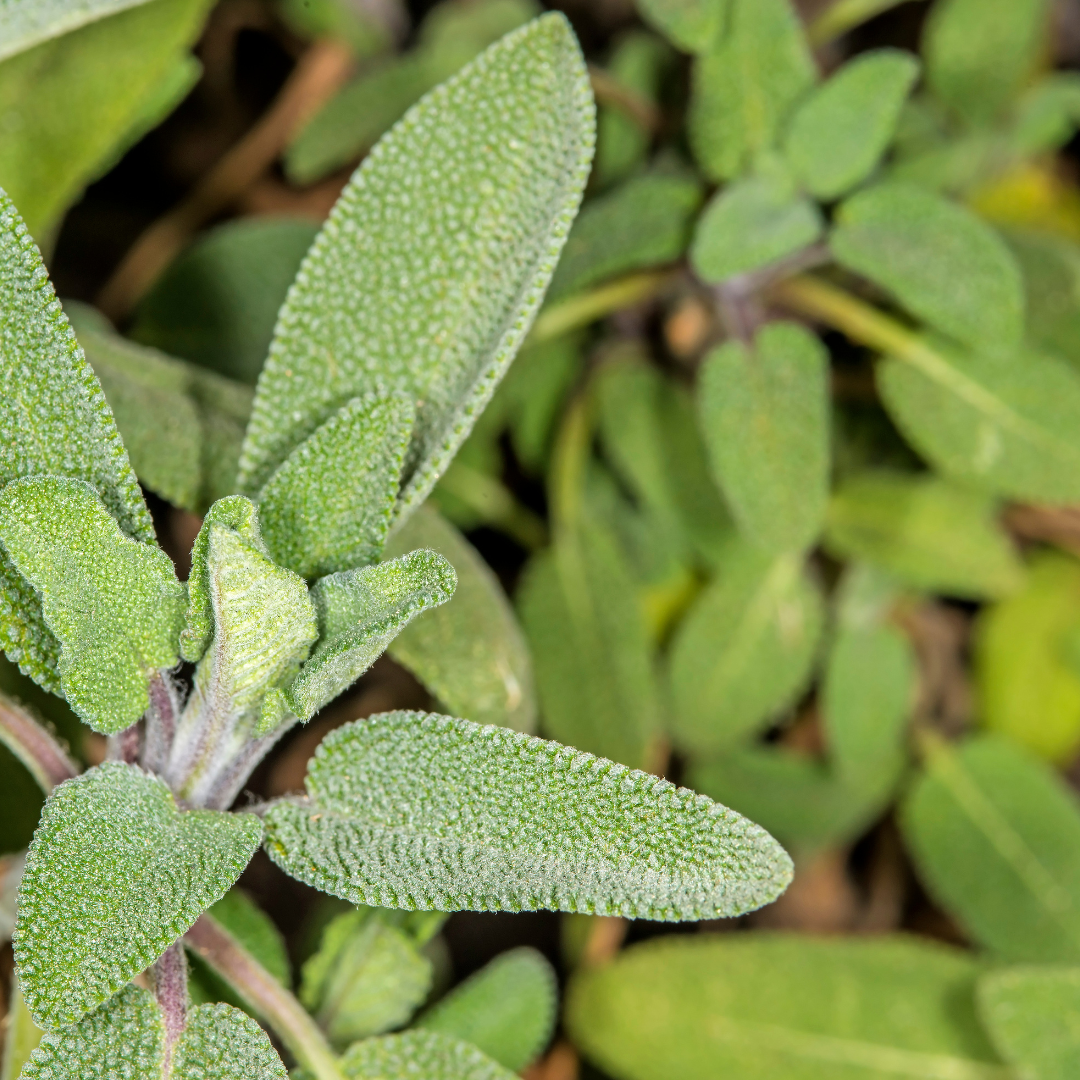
[(297, 1030), (169, 975), (845, 15), (608, 90), (42, 755), (584, 308), (161, 720)]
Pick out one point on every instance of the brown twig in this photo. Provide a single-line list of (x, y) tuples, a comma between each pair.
[(1057, 525)]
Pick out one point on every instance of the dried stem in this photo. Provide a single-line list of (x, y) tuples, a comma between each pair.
[(42, 755)]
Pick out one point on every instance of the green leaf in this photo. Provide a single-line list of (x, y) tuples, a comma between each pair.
[(1051, 269), (980, 53), (328, 506), (419, 1053), (366, 978), (470, 652), (995, 836), (764, 412), (1027, 673), (693, 25), (431, 297), (937, 259), (115, 874), (761, 1006), (745, 85), (745, 650), (644, 222), (217, 303), (419, 811), (507, 1009), (1033, 1017), (751, 223), (360, 612), (113, 603), (68, 106), (840, 133), (927, 532), (25, 23)]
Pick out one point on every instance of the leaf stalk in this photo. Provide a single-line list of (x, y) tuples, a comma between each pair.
[(42, 755)]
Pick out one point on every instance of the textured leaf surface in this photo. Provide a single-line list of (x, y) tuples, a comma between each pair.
[(419, 811), (765, 416), (25, 23), (507, 1008), (927, 532), (115, 874), (1033, 1017), (839, 134), (762, 1005), (750, 224), (693, 25), (113, 603), (54, 419), (328, 506), (995, 836), (419, 1053), (221, 1042), (937, 258), (360, 612), (434, 296), (746, 648), (469, 652)]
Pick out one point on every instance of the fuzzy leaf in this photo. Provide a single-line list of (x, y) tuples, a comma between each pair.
[(693, 25), (115, 874), (21, 1036), (419, 1053), (751, 223), (927, 532), (744, 86), (765, 417), (25, 23), (328, 506), (1033, 1017), (760, 1006), (507, 1009), (937, 259), (469, 652), (113, 603), (360, 612), (839, 134), (745, 650), (419, 811), (432, 297), (995, 837)]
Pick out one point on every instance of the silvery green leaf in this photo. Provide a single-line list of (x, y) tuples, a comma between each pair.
[(746, 648), (762, 1005), (328, 506), (360, 612), (419, 811), (115, 874), (430, 297), (58, 422), (1032, 1015), (995, 837), (839, 134), (926, 532), (764, 412), (751, 223), (221, 1042), (112, 602), (429, 1054), (507, 1009), (936, 258), (693, 25), (469, 652), (745, 85), (25, 23)]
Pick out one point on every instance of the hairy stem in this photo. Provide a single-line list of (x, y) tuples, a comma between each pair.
[(42, 755), (266, 996), (169, 976), (161, 720)]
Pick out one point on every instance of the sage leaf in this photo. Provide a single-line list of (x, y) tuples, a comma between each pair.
[(359, 613), (764, 412), (25, 23), (927, 532), (425, 1053), (839, 134), (936, 258), (995, 836), (1033, 1017), (470, 652), (745, 85), (745, 650), (222, 1042), (1051, 269), (419, 811), (507, 1009), (328, 506), (772, 1004), (21, 1038), (751, 223), (113, 603), (56, 421), (448, 289), (101, 899), (693, 25)]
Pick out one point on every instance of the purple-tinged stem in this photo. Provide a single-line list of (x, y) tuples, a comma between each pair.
[(169, 975), (34, 747)]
